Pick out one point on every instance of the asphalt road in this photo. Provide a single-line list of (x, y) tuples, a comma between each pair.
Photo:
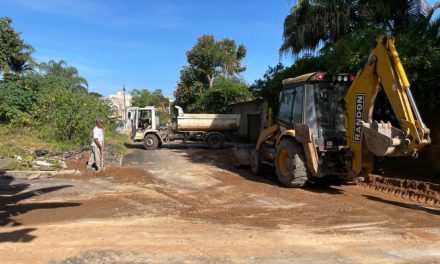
[(190, 205)]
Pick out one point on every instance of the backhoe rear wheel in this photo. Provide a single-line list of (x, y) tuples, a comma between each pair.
[(290, 164)]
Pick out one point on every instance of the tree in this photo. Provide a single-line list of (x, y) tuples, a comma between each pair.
[(212, 58), (224, 92), (68, 74), (270, 85), (207, 60), (15, 55), (143, 97), (320, 23), (189, 88)]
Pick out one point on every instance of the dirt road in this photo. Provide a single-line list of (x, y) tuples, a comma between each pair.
[(189, 205)]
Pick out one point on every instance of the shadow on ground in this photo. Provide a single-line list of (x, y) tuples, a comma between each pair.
[(11, 206), (404, 205)]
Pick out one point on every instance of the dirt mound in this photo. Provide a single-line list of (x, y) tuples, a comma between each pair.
[(126, 174), (422, 192)]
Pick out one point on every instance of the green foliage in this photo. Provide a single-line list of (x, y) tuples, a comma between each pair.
[(19, 96), (211, 58), (144, 97), (225, 91), (190, 87), (271, 85), (61, 72), (15, 55), (51, 106), (314, 24), (69, 115), (207, 60)]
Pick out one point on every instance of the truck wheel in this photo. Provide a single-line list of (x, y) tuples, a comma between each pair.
[(290, 164), (151, 142), (255, 162), (215, 141)]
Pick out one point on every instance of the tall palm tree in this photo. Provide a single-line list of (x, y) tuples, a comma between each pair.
[(22, 60), (312, 24), (69, 74)]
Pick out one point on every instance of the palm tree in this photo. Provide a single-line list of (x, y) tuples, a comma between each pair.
[(312, 24), (22, 61), (69, 74)]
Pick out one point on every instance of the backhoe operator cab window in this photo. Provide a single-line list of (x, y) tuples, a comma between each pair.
[(291, 106)]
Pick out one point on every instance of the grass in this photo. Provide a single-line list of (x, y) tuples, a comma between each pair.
[(117, 141), (24, 141)]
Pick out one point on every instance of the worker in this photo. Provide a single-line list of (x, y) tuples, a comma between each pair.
[(96, 156)]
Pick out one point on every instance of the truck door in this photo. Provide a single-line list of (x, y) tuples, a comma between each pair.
[(134, 122)]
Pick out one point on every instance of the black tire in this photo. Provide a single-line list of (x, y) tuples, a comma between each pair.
[(255, 162), (151, 141), (290, 164), (215, 141)]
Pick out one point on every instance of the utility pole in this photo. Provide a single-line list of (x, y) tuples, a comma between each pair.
[(125, 108)]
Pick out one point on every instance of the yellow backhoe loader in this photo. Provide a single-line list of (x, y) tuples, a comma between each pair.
[(324, 124)]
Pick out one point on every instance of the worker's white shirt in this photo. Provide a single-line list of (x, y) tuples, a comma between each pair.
[(97, 133)]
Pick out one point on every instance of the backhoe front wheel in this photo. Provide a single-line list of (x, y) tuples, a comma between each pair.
[(151, 141), (290, 164)]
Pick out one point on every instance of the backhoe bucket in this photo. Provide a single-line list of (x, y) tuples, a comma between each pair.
[(243, 155), (381, 139)]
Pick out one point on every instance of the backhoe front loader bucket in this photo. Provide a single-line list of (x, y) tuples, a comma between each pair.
[(243, 155), (382, 139)]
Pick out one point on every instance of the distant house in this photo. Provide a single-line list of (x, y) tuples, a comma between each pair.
[(118, 101)]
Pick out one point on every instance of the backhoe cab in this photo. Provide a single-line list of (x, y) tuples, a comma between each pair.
[(309, 138), (325, 126)]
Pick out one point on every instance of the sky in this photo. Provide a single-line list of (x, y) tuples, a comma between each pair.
[(142, 44)]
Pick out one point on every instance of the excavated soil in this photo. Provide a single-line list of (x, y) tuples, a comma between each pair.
[(191, 205)]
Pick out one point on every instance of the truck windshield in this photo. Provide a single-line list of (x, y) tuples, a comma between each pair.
[(330, 112)]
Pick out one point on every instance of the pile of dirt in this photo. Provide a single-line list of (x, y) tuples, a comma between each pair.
[(422, 192), (126, 174)]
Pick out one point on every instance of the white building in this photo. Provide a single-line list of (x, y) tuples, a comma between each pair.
[(118, 101)]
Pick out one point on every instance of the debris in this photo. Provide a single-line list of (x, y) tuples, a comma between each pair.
[(18, 157), (44, 163), (40, 152)]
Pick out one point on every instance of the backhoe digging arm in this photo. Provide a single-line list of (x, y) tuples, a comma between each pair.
[(365, 137)]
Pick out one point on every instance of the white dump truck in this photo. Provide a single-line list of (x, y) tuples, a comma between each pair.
[(212, 129)]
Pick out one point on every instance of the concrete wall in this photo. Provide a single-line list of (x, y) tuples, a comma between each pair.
[(256, 107)]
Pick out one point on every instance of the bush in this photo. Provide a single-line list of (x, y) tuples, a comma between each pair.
[(225, 91), (69, 115)]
